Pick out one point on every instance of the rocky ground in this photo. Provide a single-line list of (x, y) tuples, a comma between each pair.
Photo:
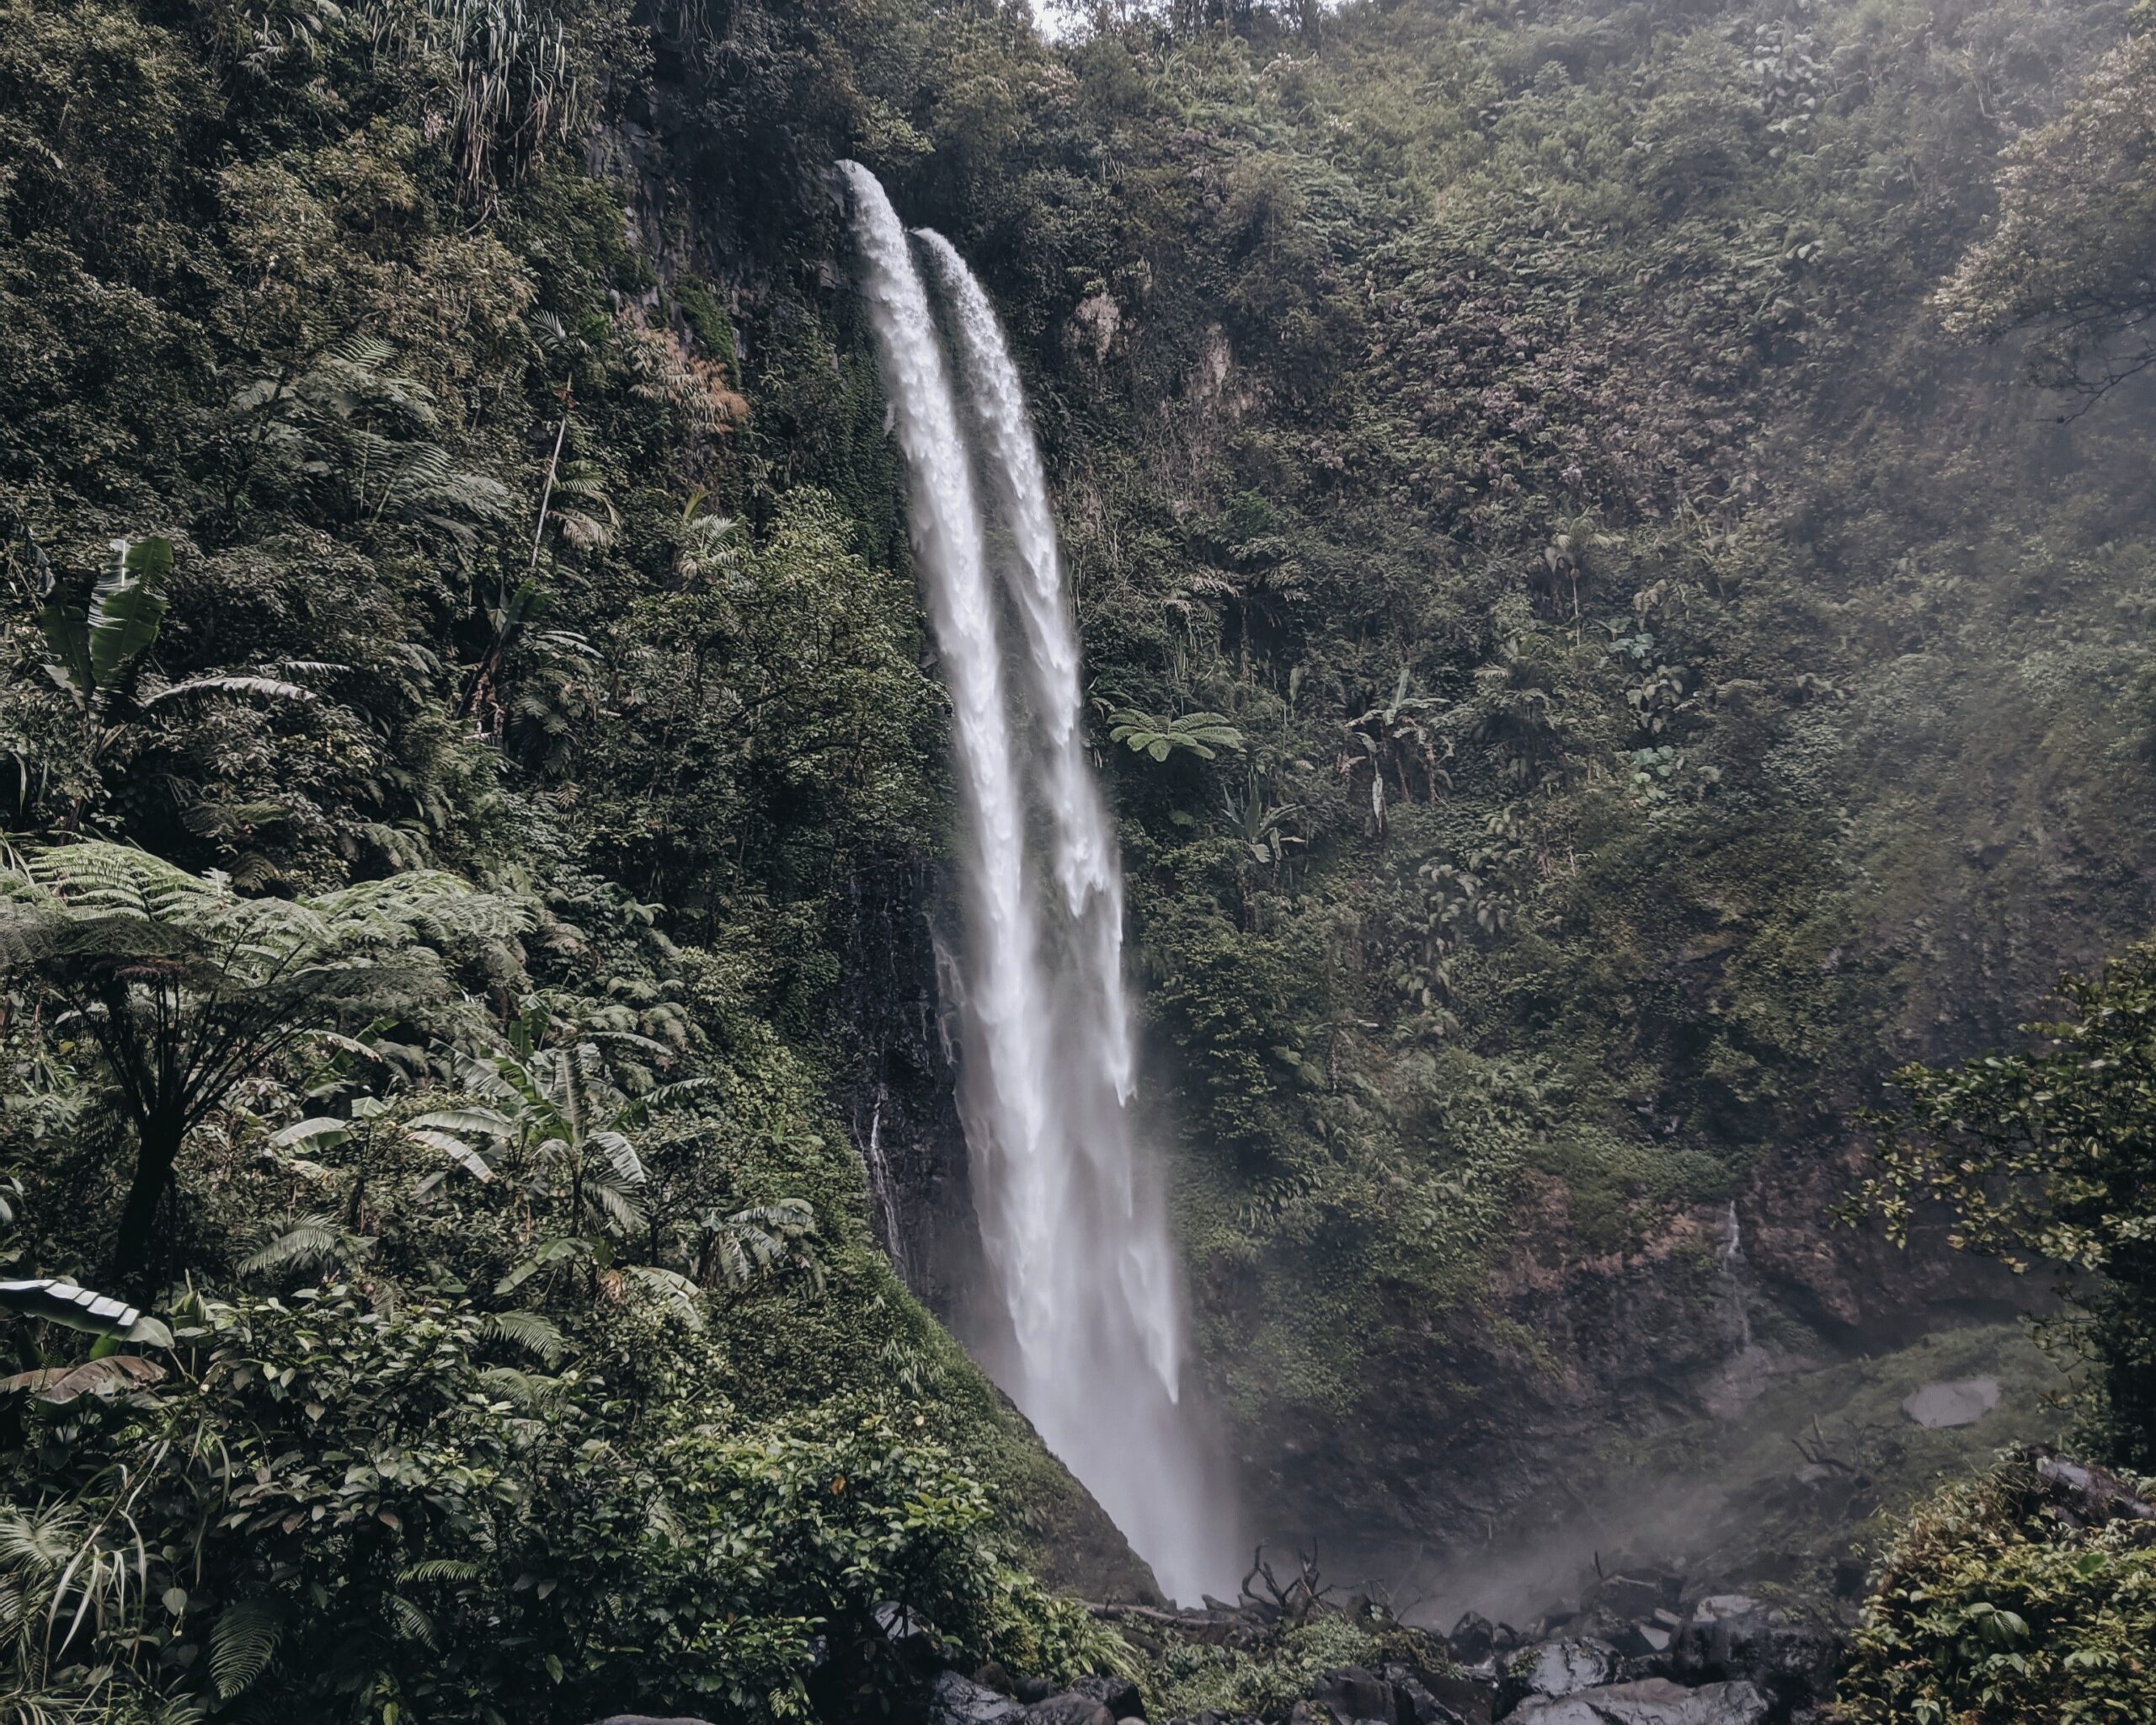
[(1640, 1647)]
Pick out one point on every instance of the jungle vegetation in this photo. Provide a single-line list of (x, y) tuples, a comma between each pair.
[(1614, 553)]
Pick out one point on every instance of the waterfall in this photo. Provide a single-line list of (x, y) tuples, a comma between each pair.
[(1073, 1223)]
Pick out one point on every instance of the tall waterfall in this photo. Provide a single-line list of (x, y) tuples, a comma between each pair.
[(1074, 1225)]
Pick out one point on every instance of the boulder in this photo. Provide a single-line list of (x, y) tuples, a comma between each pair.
[(920, 1649), (1640, 1641), (953, 1699), (1118, 1694), (1352, 1694), (1655, 1700), (2083, 1495), (1071, 1707), (647, 1719), (1471, 1638), (1556, 1668), (1732, 1637), (1633, 1596), (1440, 1700), (1962, 1401)]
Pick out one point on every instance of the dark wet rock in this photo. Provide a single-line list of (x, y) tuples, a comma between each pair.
[(1471, 1638), (1963, 1402), (1352, 1694), (1556, 1668), (1474, 1701), (920, 1649), (1640, 1641), (1071, 1707), (1732, 1636), (956, 1700), (1118, 1694), (1435, 1698), (1654, 1701), (1632, 1596), (2083, 1495)]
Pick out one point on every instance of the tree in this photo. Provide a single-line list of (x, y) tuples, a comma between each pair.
[(2068, 252), (185, 988), (563, 1130), (2051, 1155), (1198, 732)]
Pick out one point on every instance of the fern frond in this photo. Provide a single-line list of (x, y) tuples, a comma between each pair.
[(536, 1336), (680, 1296), (243, 1642), (311, 1243)]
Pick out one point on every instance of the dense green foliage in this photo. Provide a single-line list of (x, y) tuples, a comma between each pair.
[(1991, 1610)]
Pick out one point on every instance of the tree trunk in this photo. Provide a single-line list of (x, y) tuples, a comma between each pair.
[(133, 1249)]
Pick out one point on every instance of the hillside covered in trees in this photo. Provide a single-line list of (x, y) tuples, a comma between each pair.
[(1614, 554)]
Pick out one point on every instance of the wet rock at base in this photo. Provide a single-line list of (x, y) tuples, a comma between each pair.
[(1556, 1668), (1641, 1641), (1351, 1695), (647, 1719), (1963, 1402), (1071, 1707), (1118, 1694), (1629, 1596), (953, 1699), (912, 1638), (1732, 1637), (2081, 1494), (1471, 1638), (1441, 1699), (1654, 1701)]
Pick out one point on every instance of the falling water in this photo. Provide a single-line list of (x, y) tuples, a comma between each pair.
[(1076, 1232)]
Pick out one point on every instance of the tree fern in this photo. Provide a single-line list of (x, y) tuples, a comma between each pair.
[(313, 1242), (185, 988)]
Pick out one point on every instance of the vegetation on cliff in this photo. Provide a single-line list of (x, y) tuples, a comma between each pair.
[(1595, 661)]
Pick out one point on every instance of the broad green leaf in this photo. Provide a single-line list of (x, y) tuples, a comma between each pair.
[(128, 606), (66, 623)]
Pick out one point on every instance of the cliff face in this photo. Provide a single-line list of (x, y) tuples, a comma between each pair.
[(1673, 683)]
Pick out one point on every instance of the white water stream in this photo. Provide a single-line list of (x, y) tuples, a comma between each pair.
[(1072, 1220)]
